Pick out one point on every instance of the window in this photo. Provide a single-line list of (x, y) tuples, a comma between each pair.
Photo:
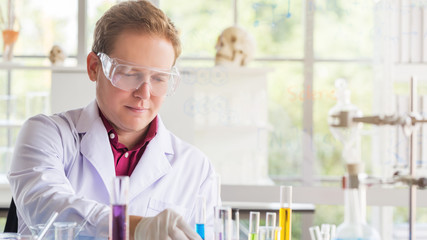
[(341, 48)]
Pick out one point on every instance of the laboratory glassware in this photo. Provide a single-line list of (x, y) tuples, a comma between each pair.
[(223, 223), (200, 216), (10, 236), (119, 218), (236, 225), (65, 230), (285, 212), (270, 224), (269, 233), (354, 225), (349, 136), (43, 231), (253, 225)]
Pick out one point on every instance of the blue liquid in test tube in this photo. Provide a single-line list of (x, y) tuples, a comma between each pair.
[(200, 229), (200, 216)]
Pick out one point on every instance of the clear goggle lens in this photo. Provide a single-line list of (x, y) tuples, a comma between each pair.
[(129, 77)]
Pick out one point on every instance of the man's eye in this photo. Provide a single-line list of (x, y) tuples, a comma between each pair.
[(132, 74), (161, 78)]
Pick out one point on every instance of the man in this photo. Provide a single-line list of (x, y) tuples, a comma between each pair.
[(66, 162)]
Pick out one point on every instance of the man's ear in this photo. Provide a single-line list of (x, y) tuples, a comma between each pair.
[(92, 63)]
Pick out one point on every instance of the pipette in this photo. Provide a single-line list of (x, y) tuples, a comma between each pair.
[(84, 223), (47, 226)]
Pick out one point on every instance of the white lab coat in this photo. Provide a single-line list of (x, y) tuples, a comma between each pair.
[(64, 163)]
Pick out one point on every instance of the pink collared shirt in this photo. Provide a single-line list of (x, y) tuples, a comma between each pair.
[(125, 160)]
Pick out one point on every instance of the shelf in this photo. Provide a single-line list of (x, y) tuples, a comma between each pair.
[(404, 71), (17, 66), (5, 123)]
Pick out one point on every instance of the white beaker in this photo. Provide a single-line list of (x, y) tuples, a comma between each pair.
[(65, 230)]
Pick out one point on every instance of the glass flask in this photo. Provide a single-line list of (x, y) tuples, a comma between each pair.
[(354, 226)]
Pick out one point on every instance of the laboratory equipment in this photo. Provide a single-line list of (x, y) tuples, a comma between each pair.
[(200, 216), (269, 233), (119, 218), (65, 230), (270, 224), (236, 225), (354, 225), (327, 232), (285, 212), (223, 223), (343, 119), (350, 135), (26, 237), (80, 228), (253, 225), (45, 227), (270, 219), (10, 236)]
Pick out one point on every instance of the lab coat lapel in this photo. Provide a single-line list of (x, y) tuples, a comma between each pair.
[(95, 145), (153, 164)]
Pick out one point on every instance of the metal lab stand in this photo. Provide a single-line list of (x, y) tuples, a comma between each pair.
[(408, 122)]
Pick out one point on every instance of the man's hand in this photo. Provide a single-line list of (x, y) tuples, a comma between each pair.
[(167, 225)]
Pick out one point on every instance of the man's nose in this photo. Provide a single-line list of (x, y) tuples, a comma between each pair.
[(143, 91)]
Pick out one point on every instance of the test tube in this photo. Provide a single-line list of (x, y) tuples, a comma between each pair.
[(270, 219), (236, 230), (223, 227), (201, 216), (119, 218), (270, 224), (253, 225), (285, 212)]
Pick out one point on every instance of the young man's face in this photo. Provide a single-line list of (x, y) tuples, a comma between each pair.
[(132, 111)]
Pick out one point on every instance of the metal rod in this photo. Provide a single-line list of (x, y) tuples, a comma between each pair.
[(412, 187)]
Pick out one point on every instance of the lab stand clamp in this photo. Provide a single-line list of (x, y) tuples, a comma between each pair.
[(345, 119)]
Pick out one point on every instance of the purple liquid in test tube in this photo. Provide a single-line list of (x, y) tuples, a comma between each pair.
[(119, 218), (119, 222)]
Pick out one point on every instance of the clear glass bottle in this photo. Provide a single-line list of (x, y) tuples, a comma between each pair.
[(354, 226)]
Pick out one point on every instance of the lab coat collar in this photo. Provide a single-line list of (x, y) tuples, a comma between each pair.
[(95, 146), (88, 117), (154, 163)]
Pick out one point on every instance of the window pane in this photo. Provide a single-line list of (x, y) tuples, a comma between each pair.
[(276, 25), (200, 23), (95, 9), (31, 88), (343, 29), (43, 24), (285, 118), (360, 82)]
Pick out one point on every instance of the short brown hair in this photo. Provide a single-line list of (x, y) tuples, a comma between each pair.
[(139, 16)]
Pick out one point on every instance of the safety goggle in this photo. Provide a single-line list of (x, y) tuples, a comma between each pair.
[(129, 76)]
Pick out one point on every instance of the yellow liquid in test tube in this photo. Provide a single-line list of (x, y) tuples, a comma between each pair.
[(285, 223), (285, 212)]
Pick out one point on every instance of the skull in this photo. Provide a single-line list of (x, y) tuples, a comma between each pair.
[(56, 55), (234, 46)]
